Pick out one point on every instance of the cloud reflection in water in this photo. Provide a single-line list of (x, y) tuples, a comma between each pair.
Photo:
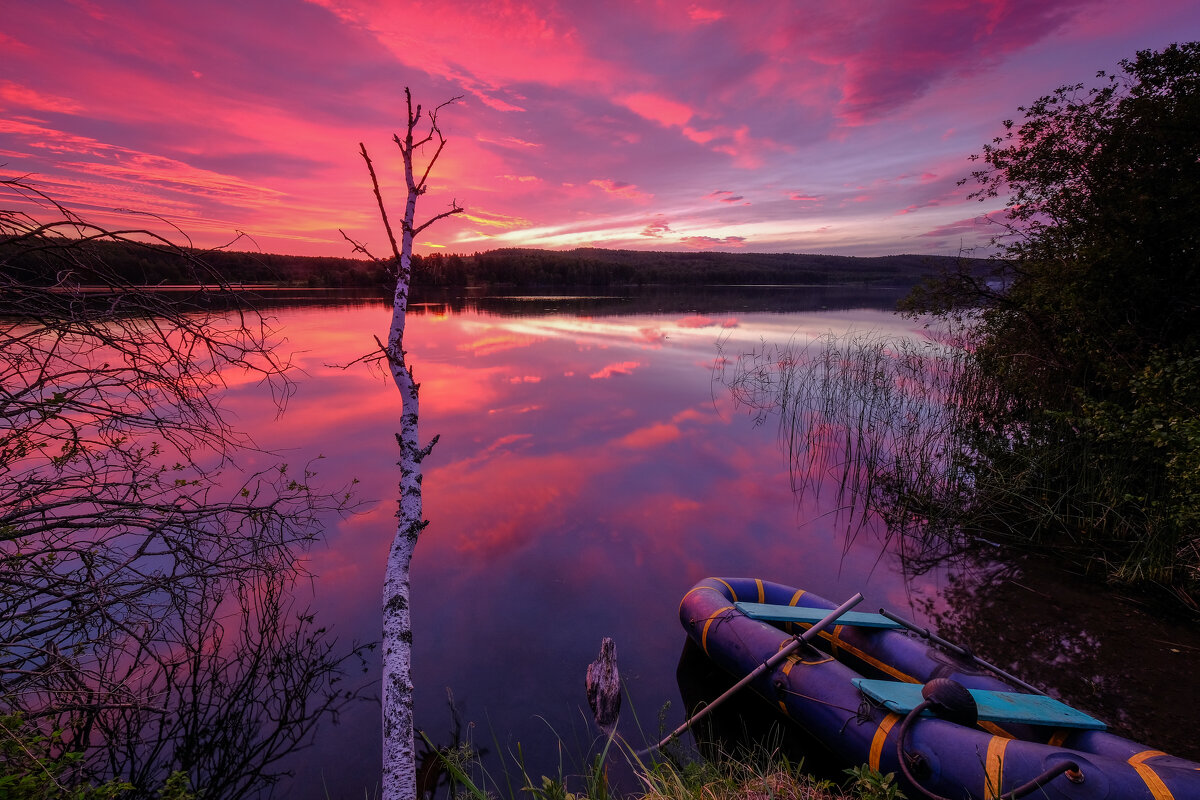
[(588, 473)]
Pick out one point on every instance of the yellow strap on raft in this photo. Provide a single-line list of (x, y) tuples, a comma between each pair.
[(1146, 772), (994, 768), (880, 738)]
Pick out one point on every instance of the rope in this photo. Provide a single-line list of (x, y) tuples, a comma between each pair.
[(1015, 794), (785, 690)]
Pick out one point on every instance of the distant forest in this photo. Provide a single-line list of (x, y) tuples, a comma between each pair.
[(514, 267)]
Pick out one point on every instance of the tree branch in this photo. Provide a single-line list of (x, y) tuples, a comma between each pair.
[(455, 208), (362, 148)]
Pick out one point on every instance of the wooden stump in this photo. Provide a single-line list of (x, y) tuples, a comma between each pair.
[(604, 686)]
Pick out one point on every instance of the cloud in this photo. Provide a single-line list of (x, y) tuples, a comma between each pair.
[(504, 441), (968, 224), (725, 196), (110, 175), (654, 107), (712, 241), (968, 233), (904, 50), (562, 101), (507, 141), (14, 94), (494, 220), (747, 151), (534, 489), (694, 322), (497, 342), (656, 229), (650, 436), (620, 189), (489, 49), (169, 173), (807, 199), (694, 415), (704, 15), (620, 368), (483, 92), (651, 335)]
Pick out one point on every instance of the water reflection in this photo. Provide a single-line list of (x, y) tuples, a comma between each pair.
[(1112, 656), (588, 473), (620, 301), (742, 725)]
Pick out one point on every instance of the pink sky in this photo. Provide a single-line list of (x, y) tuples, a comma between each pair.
[(762, 126)]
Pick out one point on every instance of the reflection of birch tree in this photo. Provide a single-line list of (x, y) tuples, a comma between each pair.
[(399, 754), (145, 610)]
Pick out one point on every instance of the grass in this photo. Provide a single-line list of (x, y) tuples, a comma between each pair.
[(760, 774), (744, 779)]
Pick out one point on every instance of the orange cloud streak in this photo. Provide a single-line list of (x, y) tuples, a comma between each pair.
[(622, 368)]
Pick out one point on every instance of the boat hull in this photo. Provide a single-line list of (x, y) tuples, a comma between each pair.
[(813, 689)]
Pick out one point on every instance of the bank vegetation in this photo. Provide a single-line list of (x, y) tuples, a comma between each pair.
[(1057, 403)]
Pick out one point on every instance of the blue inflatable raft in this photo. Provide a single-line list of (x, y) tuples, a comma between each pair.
[(873, 693)]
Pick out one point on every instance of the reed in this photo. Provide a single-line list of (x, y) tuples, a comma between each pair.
[(877, 421), (915, 439)]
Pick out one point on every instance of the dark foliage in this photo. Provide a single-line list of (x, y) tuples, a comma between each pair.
[(147, 626), (1088, 326)]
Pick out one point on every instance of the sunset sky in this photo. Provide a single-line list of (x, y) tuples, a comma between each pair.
[(827, 127)]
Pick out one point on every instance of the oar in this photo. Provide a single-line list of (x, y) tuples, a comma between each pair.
[(769, 664), (959, 649)]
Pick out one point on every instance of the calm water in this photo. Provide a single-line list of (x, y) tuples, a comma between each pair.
[(590, 470)]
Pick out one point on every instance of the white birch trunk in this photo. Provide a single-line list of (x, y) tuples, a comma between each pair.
[(399, 751), (399, 756)]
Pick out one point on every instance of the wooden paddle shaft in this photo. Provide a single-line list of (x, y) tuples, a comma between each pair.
[(769, 664)]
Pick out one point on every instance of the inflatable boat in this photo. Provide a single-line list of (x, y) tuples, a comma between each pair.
[(874, 689)]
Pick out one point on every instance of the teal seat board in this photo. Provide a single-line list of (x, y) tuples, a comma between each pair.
[(770, 613), (1032, 709)]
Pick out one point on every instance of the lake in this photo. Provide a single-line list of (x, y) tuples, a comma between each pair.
[(590, 470)]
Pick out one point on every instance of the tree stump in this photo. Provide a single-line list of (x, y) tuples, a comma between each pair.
[(604, 686)]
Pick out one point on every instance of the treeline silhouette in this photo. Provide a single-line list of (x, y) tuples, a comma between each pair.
[(514, 267)]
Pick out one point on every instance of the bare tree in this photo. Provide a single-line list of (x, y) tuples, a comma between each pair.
[(399, 752), (144, 585)]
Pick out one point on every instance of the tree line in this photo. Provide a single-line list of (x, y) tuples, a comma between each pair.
[(152, 263)]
